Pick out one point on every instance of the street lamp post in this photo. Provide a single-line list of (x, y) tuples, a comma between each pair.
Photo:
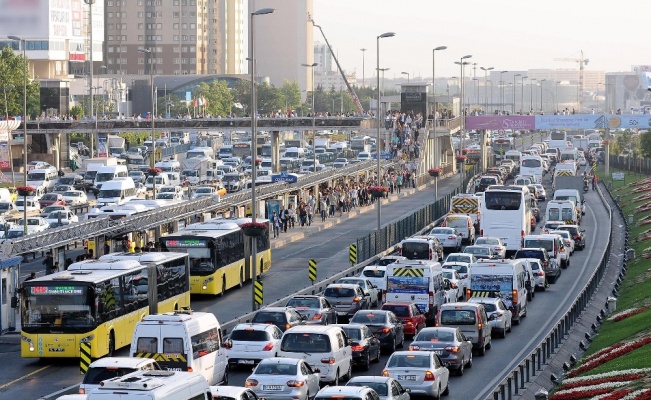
[(531, 94), (406, 73), (541, 95), (152, 156), (436, 155), (378, 146), (502, 84), (513, 108), (363, 67), (522, 92), (11, 158), (486, 86), (254, 141), (461, 63), (311, 66), (556, 96), (22, 43)]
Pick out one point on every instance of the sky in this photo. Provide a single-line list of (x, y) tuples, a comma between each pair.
[(504, 34)]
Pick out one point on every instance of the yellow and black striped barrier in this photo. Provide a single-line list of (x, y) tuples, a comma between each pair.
[(311, 270), (258, 294), (410, 272), (352, 254), (594, 167), (84, 357)]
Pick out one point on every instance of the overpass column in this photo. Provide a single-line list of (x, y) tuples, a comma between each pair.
[(484, 150), (275, 151)]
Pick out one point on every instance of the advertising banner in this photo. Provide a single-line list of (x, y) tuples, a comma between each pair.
[(574, 121), (642, 121), (496, 122)]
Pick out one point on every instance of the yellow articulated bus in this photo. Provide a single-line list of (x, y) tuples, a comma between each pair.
[(216, 250), (97, 302)]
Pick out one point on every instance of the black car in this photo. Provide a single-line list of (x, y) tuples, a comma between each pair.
[(385, 325), (365, 345), (283, 317), (577, 235), (552, 271), (76, 181)]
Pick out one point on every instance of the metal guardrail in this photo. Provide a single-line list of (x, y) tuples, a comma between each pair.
[(515, 380), (68, 234)]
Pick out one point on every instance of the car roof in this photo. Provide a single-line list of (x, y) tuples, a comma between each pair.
[(280, 360), (337, 391), (122, 362), (371, 378), (275, 309), (343, 285)]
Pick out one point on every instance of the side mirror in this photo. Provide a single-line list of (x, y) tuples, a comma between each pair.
[(316, 370), (303, 317)]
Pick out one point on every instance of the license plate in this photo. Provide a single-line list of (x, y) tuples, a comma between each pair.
[(438, 352), (272, 387), (342, 312), (406, 377), (251, 362)]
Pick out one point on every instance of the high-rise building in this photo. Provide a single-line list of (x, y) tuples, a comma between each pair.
[(185, 37), (56, 34), (323, 57), (284, 41)]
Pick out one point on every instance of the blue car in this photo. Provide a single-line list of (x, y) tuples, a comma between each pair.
[(384, 155)]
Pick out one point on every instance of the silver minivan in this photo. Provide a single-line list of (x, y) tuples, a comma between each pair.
[(472, 319)]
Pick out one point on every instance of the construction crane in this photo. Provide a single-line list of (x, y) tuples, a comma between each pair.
[(582, 61), (351, 91)]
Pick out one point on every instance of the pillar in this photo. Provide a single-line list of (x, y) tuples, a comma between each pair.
[(275, 153)]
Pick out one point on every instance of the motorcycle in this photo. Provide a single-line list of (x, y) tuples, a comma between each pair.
[(586, 186)]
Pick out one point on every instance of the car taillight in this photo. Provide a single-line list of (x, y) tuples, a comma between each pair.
[(385, 373), (250, 383), (452, 237), (453, 349), (414, 348), (357, 348), (429, 376), (384, 330), (541, 273), (268, 347), (287, 326), (356, 299), (431, 299), (82, 391), (329, 360), (295, 383), (468, 294), (317, 316), (515, 297)]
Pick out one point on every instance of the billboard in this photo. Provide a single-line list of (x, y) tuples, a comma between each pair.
[(496, 122)]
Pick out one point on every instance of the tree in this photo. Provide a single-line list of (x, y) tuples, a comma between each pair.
[(12, 68), (645, 144), (77, 112), (219, 97)]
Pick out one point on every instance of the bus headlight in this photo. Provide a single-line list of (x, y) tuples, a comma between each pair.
[(87, 339), (206, 282), (28, 341)]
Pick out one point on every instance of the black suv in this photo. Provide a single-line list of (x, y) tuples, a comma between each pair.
[(76, 181), (549, 265), (577, 235)]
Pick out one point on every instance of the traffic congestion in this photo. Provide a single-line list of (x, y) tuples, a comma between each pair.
[(423, 314)]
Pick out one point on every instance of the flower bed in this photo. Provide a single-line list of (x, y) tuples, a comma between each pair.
[(642, 394), (461, 158), (608, 354), (25, 190), (616, 395), (254, 228), (584, 392), (627, 313), (379, 191), (597, 380), (435, 172), (154, 171)]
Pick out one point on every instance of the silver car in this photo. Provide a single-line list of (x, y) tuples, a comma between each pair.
[(539, 277), (495, 243), (421, 371), (498, 314), (449, 237), (450, 344), (386, 387), (283, 378), (316, 309)]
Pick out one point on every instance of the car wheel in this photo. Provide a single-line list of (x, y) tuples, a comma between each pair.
[(481, 351), (307, 396), (490, 344), (469, 363), (437, 396), (377, 355), (367, 361), (461, 369), (225, 379), (392, 347)]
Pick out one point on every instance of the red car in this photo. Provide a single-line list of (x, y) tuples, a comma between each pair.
[(411, 317), (52, 199)]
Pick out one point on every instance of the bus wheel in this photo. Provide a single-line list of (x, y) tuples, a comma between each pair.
[(223, 286), (111, 344), (241, 279)]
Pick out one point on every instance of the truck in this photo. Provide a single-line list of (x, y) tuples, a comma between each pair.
[(116, 145), (323, 143), (563, 183), (92, 165), (580, 142), (195, 169)]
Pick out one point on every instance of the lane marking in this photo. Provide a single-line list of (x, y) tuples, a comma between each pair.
[(6, 385)]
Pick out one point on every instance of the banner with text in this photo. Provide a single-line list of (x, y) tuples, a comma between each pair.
[(497, 122), (574, 121)]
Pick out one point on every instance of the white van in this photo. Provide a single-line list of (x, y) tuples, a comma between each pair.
[(109, 173), (41, 178), (116, 192), (553, 244), (153, 385), (324, 347), (202, 152), (169, 166), (187, 341), (506, 279), (226, 151), (562, 210), (295, 152), (111, 367), (572, 195), (464, 224), (161, 180)]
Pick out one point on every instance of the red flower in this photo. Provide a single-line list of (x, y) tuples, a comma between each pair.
[(620, 378), (378, 189), (154, 170), (630, 314), (25, 188), (617, 352), (580, 394), (461, 157), (435, 170), (254, 225), (617, 394)]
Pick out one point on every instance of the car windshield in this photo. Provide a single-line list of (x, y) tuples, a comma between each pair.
[(305, 343), (49, 197), (529, 254), (380, 388), (416, 250), (352, 332), (398, 309), (109, 193), (457, 258), (36, 176), (339, 292), (373, 273), (165, 196), (435, 335), (275, 369), (353, 281), (55, 215), (72, 194), (408, 361), (304, 303), (249, 335), (4, 206)]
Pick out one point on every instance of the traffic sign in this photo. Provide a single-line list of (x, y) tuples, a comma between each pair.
[(258, 292), (312, 270), (352, 254)]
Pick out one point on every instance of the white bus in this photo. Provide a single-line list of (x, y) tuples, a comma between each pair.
[(532, 166), (557, 140), (506, 214)]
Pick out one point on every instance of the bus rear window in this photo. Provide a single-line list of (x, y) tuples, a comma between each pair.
[(457, 317), (531, 163), (503, 200), (415, 251)]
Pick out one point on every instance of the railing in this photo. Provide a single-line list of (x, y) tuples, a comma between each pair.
[(452, 124), (515, 380), (633, 164)]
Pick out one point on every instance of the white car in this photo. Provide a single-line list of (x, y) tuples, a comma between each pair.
[(364, 156), (420, 371), (169, 196), (583, 161), (34, 224), (460, 257), (499, 316), (539, 277), (75, 197), (248, 344), (32, 204), (462, 268), (203, 191), (568, 240), (457, 284), (232, 392), (495, 243), (284, 378), (449, 238), (65, 216), (367, 286)]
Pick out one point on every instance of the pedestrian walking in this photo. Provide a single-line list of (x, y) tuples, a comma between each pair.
[(594, 182), (49, 263)]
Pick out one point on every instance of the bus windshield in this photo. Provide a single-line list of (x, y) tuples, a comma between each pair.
[(58, 305), (531, 163), (503, 200)]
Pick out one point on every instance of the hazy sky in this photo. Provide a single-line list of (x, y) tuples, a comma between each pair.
[(504, 34)]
